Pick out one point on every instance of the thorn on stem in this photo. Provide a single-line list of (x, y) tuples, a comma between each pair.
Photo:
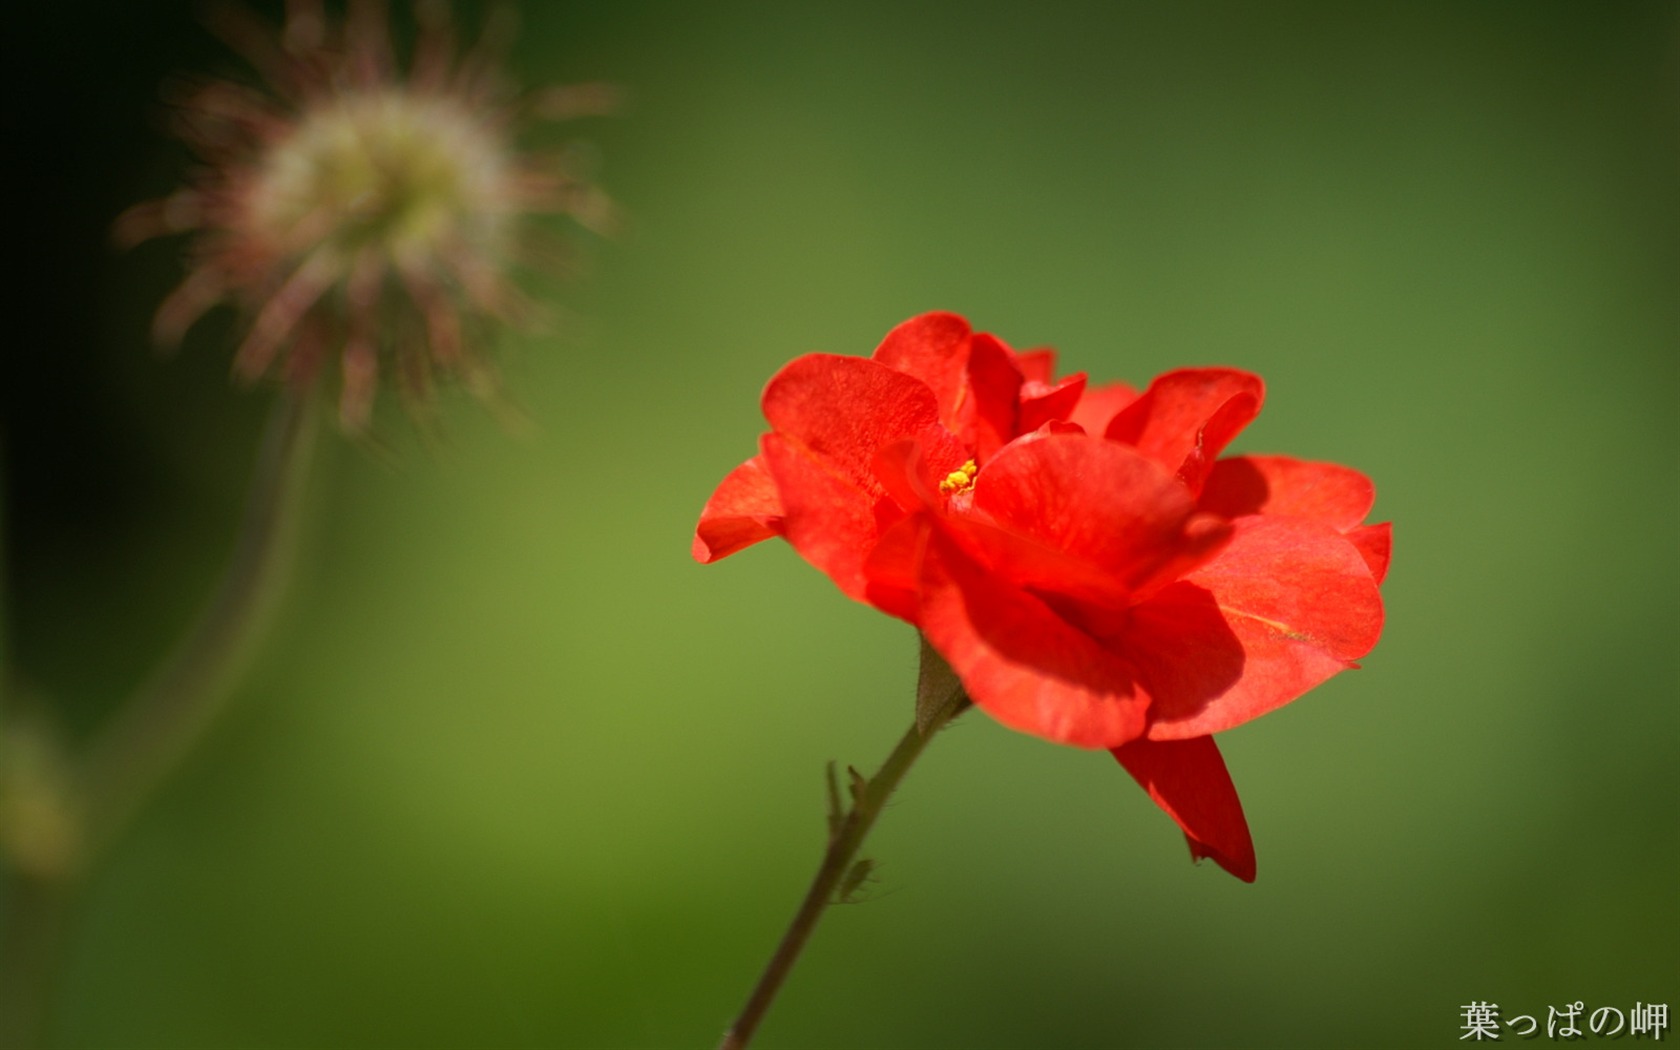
[(857, 783)]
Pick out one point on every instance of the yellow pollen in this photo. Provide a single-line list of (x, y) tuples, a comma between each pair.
[(959, 479)]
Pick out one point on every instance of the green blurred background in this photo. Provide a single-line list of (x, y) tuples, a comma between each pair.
[(514, 771)]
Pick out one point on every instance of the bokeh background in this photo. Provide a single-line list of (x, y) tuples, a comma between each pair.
[(513, 771)]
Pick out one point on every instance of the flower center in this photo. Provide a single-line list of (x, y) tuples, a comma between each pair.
[(959, 480), (411, 176)]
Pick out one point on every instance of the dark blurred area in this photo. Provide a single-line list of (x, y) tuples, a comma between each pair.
[(88, 467)]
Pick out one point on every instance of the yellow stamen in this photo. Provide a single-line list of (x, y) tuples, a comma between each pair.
[(959, 479)]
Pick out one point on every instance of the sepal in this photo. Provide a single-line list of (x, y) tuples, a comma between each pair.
[(940, 696)]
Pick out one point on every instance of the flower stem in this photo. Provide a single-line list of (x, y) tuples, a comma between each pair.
[(845, 838), (71, 812), (158, 724)]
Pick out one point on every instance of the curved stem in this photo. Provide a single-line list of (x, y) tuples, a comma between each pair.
[(845, 838), (158, 724), (32, 925), (79, 809)]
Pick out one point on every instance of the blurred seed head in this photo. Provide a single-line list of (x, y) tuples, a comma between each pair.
[(367, 219)]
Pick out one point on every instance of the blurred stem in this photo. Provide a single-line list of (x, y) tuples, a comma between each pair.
[(157, 725), (57, 818), (846, 836), (31, 939)]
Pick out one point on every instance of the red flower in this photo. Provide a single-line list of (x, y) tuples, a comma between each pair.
[(1080, 556)]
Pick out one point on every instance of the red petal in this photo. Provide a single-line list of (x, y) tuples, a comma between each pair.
[(1037, 365), (934, 349), (910, 471), (832, 522), (832, 415), (1375, 542), (1184, 649), (1186, 417), (1042, 403), (1025, 665), (1100, 404), (893, 568), (842, 410), (1188, 779), (1338, 496), (986, 418), (744, 509), (1115, 519), (974, 377), (902, 470), (1295, 595)]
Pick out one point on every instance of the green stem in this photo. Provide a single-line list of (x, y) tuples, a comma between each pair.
[(158, 724), (843, 844)]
